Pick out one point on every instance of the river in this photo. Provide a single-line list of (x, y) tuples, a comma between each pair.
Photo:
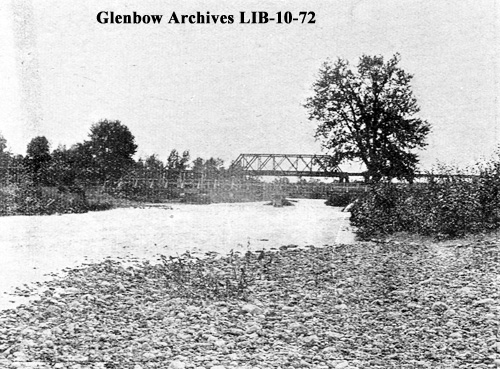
[(33, 246)]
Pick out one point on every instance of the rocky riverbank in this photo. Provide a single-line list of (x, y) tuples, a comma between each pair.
[(366, 305)]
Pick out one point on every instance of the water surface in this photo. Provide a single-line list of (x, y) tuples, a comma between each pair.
[(32, 246)]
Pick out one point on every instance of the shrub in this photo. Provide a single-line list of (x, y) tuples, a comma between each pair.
[(451, 206), (26, 198), (341, 199), (37, 200), (209, 278)]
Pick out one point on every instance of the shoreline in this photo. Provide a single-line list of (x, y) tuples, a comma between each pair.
[(363, 305)]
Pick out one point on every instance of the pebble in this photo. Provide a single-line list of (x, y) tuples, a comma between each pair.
[(235, 331), (295, 325), (311, 338), (413, 305), (334, 335), (439, 306), (27, 343), (220, 343), (450, 312), (451, 324), (484, 302), (342, 365), (456, 335), (490, 316), (467, 291), (184, 336), (149, 355), (251, 309), (176, 364), (330, 349), (253, 328), (253, 336)]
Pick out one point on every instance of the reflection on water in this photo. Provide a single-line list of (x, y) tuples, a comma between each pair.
[(34, 246)]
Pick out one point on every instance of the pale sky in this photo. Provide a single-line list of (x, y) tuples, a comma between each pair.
[(224, 89)]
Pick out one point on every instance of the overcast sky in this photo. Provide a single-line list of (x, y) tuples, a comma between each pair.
[(224, 89)]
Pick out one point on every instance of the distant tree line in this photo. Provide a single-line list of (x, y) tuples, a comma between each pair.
[(105, 157)]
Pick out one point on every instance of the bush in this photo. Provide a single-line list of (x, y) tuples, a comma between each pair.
[(341, 199), (37, 200), (211, 277), (26, 198), (446, 207)]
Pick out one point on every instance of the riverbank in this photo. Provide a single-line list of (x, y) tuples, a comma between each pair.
[(364, 305)]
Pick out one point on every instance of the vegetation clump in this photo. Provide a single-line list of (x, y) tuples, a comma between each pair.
[(341, 199), (446, 207)]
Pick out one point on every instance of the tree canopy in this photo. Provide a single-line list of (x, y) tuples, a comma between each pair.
[(177, 163), (112, 146), (5, 155), (72, 166), (369, 113), (37, 158)]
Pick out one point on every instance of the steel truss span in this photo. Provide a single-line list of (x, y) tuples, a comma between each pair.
[(305, 165)]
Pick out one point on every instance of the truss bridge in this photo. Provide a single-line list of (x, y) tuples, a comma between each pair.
[(300, 165)]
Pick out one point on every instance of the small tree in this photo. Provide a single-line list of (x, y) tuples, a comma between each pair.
[(198, 167), (3, 144), (5, 156), (112, 146), (73, 166), (37, 159), (214, 167), (176, 164), (369, 114), (5, 159), (153, 164)]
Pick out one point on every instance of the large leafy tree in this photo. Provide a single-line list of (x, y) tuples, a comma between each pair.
[(112, 146), (369, 113)]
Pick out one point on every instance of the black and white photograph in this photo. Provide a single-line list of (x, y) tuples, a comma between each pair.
[(249, 184)]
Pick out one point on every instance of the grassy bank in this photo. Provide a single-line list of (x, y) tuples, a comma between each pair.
[(368, 305)]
